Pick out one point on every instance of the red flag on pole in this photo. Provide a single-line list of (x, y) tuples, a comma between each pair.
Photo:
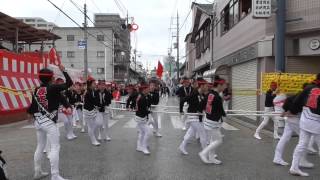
[(54, 57), (159, 70)]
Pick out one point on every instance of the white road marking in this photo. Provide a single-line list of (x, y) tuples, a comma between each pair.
[(112, 122), (119, 116), (131, 124), (228, 127), (176, 122), (31, 126)]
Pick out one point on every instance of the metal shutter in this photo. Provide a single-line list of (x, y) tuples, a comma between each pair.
[(303, 64), (244, 76)]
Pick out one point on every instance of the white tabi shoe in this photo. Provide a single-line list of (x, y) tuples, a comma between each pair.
[(58, 177), (280, 162), (215, 161), (204, 158), (96, 143), (139, 149), (257, 136), (108, 138), (298, 172), (276, 137), (183, 150), (312, 150), (40, 175), (184, 128), (157, 134), (306, 164), (145, 151), (82, 130)]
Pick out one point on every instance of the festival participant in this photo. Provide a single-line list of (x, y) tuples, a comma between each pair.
[(90, 112), (133, 94), (182, 93), (44, 108), (269, 108), (78, 98), (63, 114), (3, 168), (309, 99), (291, 125), (278, 102), (196, 105), (142, 112), (213, 121), (153, 98), (103, 115)]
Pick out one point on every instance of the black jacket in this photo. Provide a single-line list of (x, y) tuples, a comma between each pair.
[(142, 106), (269, 98), (309, 98), (214, 107), (154, 98), (49, 95), (90, 100), (104, 99), (184, 91), (78, 99), (131, 101)]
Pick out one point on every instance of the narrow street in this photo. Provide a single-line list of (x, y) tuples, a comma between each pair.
[(243, 156)]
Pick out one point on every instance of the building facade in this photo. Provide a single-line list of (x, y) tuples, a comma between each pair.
[(38, 23), (122, 46), (100, 59), (244, 46)]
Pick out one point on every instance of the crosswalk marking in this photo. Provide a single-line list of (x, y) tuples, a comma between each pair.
[(31, 126), (228, 127), (176, 122), (130, 124)]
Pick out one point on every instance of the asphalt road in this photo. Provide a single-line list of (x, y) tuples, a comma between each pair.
[(243, 156)]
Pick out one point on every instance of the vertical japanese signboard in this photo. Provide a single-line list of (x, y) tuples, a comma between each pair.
[(261, 8)]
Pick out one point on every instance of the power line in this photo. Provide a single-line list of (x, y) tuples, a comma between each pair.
[(79, 25), (185, 20), (119, 7), (77, 6), (96, 6)]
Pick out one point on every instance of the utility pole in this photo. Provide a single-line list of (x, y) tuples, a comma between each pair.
[(178, 69), (135, 60), (280, 35), (86, 44)]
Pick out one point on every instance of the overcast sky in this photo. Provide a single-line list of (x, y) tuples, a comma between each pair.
[(152, 16)]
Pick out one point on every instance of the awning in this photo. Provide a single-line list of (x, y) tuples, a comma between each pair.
[(209, 73), (202, 67), (26, 33)]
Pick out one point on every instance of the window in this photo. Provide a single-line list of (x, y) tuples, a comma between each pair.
[(233, 13), (41, 20), (42, 25), (70, 54), (59, 54), (100, 53), (207, 37), (198, 50), (100, 70), (245, 7), (70, 37), (202, 43), (100, 37), (30, 20)]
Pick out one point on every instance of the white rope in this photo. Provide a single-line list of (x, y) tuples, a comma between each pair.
[(172, 112)]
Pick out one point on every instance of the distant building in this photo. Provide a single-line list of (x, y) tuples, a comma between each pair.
[(37, 22)]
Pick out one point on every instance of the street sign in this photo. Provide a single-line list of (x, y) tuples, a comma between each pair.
[(82, 44), (261, 8)]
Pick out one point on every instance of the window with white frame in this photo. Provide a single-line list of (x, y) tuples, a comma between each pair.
[(100, 53)]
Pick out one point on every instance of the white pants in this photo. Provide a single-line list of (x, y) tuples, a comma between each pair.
[(81, 119), (215, 141), (51, 132), (266, 121), (103, 128), (194, 129), (226, 105), (90, 119), (144, 133), (301, 148), (75, 117), (68, 125), (155, 122), (285, 138)]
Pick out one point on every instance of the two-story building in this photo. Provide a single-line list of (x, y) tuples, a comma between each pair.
[(244, 46)]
